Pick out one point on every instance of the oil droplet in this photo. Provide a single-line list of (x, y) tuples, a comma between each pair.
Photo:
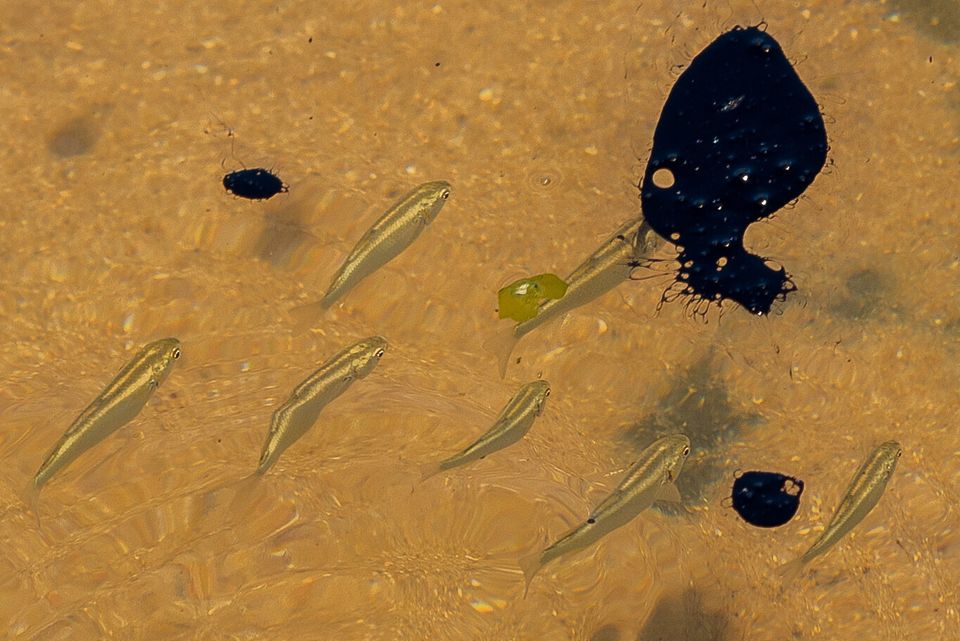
[(544, 178), (663, 178), (481, 606)]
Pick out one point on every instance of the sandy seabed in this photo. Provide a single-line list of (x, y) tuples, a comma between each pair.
[(116, 231)]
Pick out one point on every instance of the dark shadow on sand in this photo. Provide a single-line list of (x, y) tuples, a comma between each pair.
[(684, 616), (696, 405)]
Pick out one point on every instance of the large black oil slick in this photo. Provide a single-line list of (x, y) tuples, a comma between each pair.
[(742, 137)]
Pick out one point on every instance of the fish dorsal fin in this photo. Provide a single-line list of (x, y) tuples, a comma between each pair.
[(669, 493)]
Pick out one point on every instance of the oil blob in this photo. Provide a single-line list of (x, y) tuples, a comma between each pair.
[(740, 136), (766, 499), (521, 299)]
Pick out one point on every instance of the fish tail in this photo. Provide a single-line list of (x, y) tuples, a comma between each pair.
[(243, 497), (30, 495), (267, 459), (502, 344), (306, 316), (250, 479), (530, 564), (227, 505), (337, 289), (789, 572), (327, 301), (428, 470)]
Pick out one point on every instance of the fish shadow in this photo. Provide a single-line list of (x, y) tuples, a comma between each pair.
[(606, 633), (684, 616), (698, 405)]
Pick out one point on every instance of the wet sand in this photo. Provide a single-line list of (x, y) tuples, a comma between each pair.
[(117, 231)]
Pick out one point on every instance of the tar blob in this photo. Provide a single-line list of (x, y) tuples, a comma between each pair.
[(766, 499), (740, 136), (255, 184)]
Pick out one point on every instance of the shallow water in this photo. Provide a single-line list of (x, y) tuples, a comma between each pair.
[(117, 232)]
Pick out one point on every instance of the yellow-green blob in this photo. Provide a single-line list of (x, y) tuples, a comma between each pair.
[(521, 299)]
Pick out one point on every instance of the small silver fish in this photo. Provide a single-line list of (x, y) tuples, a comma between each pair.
[(864, 492), (650, 479), (393, 232), (117, 405), (603, 270), (514, 421), (300, 412)]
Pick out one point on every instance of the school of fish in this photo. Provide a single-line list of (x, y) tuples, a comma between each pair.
[(652, 476)]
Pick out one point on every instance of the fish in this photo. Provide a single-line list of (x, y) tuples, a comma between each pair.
[(861, 496), (514, 421), (393, 232), (298, 414), (604, 269), (652, 478), (119, 403)]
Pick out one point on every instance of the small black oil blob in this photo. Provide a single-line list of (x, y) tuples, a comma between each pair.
[(255, 184), (739, 137), (766, 499)]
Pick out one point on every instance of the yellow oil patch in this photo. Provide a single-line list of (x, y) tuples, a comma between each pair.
[(521, 299)]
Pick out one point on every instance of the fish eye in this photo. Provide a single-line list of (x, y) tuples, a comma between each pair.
[(445, 194), (686, 451), (379, 353), (546, 393), (176, 353)]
